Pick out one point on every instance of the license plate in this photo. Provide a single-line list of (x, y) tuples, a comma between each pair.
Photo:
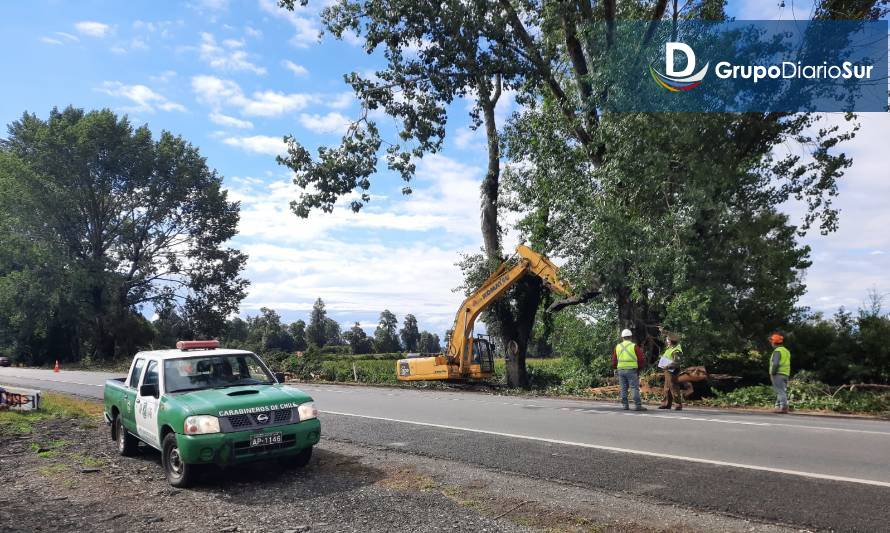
[(265, 439)]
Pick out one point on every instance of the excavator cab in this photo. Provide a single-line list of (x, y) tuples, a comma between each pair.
[(483, 353)]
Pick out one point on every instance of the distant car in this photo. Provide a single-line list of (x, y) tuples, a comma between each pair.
[(4, 361)]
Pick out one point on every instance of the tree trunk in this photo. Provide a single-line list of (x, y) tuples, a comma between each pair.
[(515, 327), (490, 184)]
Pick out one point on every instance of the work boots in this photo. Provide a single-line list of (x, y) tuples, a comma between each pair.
[(781, 410)]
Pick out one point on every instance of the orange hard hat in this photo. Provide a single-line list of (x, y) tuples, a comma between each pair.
[(776, 338)]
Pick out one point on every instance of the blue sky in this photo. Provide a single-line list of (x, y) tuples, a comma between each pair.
[(233, 77)]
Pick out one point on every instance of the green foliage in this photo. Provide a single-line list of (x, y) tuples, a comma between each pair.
[(807, 395), (109, 221), (409, 334), (316, 331), (385, 337), (429, 343), (297, 330), (846, 348), (358, 340), (268, 333)]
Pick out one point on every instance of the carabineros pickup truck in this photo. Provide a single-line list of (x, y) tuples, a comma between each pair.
[(201, 405)]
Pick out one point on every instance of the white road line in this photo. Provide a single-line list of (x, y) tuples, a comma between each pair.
[(765, 424), (799, 473)]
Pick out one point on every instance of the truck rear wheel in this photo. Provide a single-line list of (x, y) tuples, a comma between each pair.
[(126, 444), (179, 473)]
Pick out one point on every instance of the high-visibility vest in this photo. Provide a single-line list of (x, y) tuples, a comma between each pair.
[(669, 353), (627, 355), (784, 361)]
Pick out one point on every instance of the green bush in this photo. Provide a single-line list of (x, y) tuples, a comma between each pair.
[(807, 394), (336, 350)]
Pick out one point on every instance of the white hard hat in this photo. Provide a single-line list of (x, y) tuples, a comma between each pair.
[(626, 333)]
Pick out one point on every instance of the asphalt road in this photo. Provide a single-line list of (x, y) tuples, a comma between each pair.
[(819, 472)]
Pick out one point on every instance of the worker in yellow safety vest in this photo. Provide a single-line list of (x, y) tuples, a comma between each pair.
[(779, 371), (627, 359), (673, 353)]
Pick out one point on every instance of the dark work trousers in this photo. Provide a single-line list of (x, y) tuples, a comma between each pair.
[(671, 389)]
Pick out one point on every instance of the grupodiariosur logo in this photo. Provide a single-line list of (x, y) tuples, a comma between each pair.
[(678, 80)]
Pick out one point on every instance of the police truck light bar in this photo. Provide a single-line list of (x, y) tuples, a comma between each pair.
[(197, 345)]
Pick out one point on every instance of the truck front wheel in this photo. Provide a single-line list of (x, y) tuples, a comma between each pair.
[(179, 473), (126, 443), (301, 459)]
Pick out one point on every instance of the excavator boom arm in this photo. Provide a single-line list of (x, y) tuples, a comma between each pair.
[(499, 282)]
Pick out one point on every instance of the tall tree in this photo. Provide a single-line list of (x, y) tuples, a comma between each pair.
[(386, 340), (436, 53), (297, 330), (679, 216), (136, 221), (266, 332), (409, 334), (332, 332), (358, 340), (316, 333), (429, 343)]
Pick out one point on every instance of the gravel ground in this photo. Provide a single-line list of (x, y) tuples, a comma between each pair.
[(66, 476)]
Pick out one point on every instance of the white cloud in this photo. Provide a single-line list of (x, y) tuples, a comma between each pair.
[(50, 40), (273, 103), (163, 77), (297, 70), (213, 5), (252, 32), (159, 27), (138, 44), (331, 123), (306, 30), (340, 101), (225, 120), (219, 93), (290, 279), (845, 263), (92, 28), (145, 99), (230, 57), (293, 261), (258, 144), (467, 138), (67, 36)]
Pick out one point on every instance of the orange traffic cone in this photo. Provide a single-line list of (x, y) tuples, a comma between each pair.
[(56, 368)]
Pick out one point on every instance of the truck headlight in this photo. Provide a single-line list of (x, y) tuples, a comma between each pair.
[(307, 411), (200, 424)]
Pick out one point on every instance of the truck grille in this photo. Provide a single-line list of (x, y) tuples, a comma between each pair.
[(248, 421), (240, 421), (262, 418)]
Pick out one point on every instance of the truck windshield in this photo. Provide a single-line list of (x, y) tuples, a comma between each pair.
[(209, 372)]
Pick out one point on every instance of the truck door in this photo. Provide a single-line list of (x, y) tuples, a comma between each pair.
[(128, 395), (147, 407)]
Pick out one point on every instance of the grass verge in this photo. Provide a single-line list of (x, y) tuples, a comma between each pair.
[(52, 406)]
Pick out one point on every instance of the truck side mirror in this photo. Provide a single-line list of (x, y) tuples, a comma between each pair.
[(279, 377), (150, 389)]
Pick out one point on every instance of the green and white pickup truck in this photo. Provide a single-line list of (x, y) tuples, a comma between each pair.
[(199, 404)]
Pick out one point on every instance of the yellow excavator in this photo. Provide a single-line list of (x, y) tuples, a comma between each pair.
[(468, 357)]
